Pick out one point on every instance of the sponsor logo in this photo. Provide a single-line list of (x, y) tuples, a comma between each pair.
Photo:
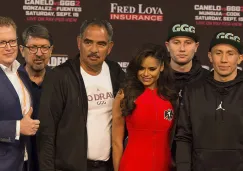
[(183, 28), (57, 59), (139, 12), (123, 65), (100, 98), (223, 35)]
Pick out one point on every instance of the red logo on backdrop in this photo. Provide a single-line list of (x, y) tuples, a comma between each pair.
[(140, 12)]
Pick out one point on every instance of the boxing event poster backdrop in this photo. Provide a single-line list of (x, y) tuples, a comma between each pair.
[(134, 22)]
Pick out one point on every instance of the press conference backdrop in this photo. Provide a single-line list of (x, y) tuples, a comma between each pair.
[(134, 22)]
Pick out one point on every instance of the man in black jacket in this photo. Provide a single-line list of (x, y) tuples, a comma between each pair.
[(76, 104), (36, 50), (209, 135), (182, 44)]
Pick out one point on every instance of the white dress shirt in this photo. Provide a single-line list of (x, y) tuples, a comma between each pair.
[(22, 92)]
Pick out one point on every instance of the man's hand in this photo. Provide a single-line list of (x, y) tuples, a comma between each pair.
[(28, 126)]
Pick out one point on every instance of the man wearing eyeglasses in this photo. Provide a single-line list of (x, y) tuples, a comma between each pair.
[(36, 49), (16, 124)]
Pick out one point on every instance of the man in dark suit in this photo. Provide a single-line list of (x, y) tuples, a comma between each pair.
[(16, 124)]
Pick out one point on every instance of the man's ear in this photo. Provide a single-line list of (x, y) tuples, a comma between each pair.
[(210, 57), (197, 45), (111, 44), (167, 46), (240, 59), (51, 49), (79, 41), (21, 49)]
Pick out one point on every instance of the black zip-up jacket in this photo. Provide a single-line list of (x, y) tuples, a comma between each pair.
[(210, 126), (62, 137), (184, 78)]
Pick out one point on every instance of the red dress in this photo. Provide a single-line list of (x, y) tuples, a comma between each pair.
[(148, 129)]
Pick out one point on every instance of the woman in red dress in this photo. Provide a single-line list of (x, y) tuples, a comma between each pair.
[(145, 103)]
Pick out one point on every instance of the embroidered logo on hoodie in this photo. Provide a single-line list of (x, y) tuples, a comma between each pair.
[(220, 106), (168, 115), (180, 93)]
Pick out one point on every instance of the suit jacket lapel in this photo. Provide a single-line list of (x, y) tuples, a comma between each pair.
[(6, 82), (25, 79)]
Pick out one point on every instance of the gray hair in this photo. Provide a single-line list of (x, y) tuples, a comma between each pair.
[(95, 22)]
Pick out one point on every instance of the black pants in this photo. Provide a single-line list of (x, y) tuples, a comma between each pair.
[(25, 166), (97, 166)]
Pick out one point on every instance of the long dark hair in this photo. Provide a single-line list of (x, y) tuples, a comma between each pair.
[(133, 88)]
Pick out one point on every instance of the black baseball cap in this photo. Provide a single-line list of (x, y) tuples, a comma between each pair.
[(182, 29), (226, 37)]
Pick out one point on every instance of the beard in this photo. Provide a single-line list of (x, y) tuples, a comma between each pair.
[(38, 68)]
